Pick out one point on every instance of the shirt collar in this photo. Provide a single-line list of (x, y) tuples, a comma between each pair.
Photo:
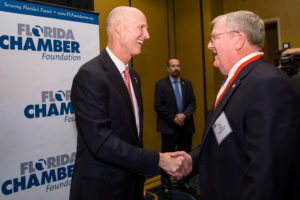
[(236, 66), (119, 64), (172, 79)]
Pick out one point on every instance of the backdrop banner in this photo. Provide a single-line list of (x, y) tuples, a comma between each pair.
[(41, 49)]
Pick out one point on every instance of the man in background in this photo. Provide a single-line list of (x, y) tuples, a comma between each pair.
[(106, 96), (175, 103)]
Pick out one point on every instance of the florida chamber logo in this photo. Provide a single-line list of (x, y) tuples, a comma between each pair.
[(55, 43), (54, 172), (53, 103)]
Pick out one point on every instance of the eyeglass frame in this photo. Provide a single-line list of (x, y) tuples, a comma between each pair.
[(213, 36)]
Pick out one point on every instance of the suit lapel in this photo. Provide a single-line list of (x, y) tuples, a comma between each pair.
[(183, 92), (170, 91), (230, 91), (139, 100), (135, 84), (116, 79), (215, 113)]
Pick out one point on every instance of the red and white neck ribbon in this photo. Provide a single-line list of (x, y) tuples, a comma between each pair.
[(235, 70)]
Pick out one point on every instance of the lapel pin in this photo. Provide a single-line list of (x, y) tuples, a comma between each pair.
[(233, 86), (135, 80), (182, 82)]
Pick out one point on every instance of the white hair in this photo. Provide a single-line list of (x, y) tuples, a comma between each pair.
[(247, 22)]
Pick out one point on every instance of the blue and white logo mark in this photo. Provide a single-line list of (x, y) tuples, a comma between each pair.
[(55, 43), (52, 104), (45, 171), (37, 31)]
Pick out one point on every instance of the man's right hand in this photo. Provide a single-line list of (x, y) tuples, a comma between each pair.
[(176, 164)]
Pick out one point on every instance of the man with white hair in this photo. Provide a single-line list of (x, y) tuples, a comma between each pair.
[(250, 145), (106, 96)]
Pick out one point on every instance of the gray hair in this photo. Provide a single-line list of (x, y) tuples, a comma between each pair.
[(247, 22)]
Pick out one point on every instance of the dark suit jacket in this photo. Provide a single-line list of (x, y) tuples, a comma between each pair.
[(110, 162), (258, 159), (166, 107), (296, 84)]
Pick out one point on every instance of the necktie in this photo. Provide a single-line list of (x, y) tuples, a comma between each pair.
[(178, 97), (225, 80), (127, 82)]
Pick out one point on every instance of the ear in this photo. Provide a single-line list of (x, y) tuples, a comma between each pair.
[(240, 40), (118, 26)]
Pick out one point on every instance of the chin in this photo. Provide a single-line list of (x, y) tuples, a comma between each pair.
[(216, 63), (175, 76), (137, 52)]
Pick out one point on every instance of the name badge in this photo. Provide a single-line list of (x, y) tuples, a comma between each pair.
[(221, 128)]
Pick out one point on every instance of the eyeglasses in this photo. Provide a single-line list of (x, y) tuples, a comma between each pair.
[(213, 37)]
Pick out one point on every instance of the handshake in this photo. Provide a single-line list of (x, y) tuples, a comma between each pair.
[(177, 164)]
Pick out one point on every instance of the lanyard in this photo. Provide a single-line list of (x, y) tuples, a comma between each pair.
[(234, 76)]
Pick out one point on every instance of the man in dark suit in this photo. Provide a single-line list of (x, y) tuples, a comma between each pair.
[(250, 145), (175, 103), (106, 97)]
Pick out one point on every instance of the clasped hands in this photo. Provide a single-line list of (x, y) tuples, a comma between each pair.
[(179, 119), (177, 164)]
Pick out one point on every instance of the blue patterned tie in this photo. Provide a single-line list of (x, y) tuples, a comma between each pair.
[(178, 97)]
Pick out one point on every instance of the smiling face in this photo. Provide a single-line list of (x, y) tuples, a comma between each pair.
[(134, 33), (127, 29), (222, 45)]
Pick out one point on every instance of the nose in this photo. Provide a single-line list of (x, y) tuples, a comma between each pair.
[(210, 45), (146, 34)]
